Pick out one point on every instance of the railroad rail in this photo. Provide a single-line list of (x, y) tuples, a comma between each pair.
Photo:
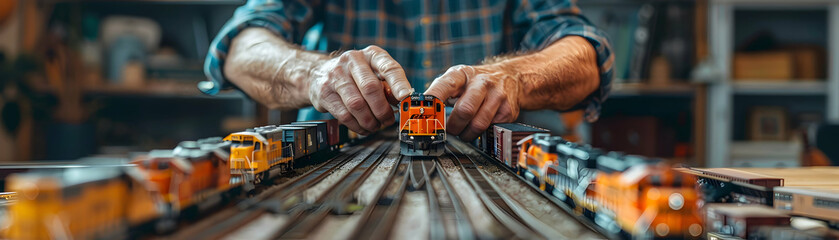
[(455, 188), (479, 158), (229, 219)]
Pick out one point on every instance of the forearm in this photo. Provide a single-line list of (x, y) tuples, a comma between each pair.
[(557, 77), (274, 72)]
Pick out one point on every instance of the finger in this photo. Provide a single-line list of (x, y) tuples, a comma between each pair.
[(385, 66), (505, 113), (355, 103), (484, 117), (332, 103), (371, 89), (466, 107), (450, 84)]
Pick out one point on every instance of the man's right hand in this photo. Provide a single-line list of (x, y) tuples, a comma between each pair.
[(349, 86)]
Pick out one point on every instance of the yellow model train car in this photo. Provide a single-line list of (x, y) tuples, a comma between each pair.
[(257, 154), (80, 203)]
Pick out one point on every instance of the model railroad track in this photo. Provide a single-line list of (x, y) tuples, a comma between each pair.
[(333, 200), (498, 204), (447, 210), (535, 189), (378, 218), (229, 219)]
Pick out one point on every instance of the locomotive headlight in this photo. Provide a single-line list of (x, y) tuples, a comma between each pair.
[(676, 201), (432, 137), (695, 229), (662, 229), (412, 137)]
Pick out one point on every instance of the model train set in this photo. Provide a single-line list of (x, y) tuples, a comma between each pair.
[(622, 196)]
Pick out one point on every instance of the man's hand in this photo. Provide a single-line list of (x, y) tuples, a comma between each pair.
[(558, 77), (280, 75), (350, 87), (485, 94)]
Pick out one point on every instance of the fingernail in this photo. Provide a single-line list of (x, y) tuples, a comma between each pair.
[(404, 93)]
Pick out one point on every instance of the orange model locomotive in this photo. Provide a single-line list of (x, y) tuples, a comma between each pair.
[(422, 130)]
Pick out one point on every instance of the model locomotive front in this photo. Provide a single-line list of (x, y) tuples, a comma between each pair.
[(422, 121)]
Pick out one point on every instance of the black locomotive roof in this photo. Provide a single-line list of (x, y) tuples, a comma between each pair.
[(547, 142)]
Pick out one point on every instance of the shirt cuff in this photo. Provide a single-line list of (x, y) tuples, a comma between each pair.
[(214, 62), (605, 61)]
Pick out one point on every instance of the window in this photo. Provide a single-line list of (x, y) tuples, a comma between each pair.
[(257, 146), (438, 107), (405, 106)]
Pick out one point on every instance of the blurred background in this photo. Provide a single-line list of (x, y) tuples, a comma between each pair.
[(708, 83)]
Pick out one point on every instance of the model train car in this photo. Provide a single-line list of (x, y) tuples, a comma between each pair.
[(422, 130), (111, 201), (815, 202), (742, 221), (630, 196)]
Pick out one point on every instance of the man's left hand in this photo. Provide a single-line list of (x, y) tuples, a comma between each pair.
[(484, 94)]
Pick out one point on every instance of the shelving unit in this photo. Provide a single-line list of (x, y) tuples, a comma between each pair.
[(642, 89), (758, 87), (721, 94)]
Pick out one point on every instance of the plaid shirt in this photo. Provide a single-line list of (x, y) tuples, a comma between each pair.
[(425, 36)]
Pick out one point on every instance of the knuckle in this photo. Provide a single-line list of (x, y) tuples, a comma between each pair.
[(383, 115), (373, 48), (369, 87), (354, 53), (480, 124), (390, 67), (465, 111), (343, 116), (356, 104)]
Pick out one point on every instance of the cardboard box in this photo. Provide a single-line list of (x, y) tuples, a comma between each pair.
[(767, 65)]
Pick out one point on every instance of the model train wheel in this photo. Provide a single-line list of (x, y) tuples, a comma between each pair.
[(166, 224), (258, 178)]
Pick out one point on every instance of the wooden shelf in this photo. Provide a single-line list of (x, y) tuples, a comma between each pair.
[(150, 89), (774, 87), (646, 89), (195, 2)]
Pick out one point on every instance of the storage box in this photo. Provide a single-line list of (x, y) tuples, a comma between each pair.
[(767, 65)]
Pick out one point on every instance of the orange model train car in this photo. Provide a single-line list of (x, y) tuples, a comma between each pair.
[(422, 129), (195, 175), (645, 198)]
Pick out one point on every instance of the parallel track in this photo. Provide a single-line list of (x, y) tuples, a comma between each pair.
[(536, 190), (229, 219), (492, 198), (447, 212), (451, 212), (333, 199), (377, 219)]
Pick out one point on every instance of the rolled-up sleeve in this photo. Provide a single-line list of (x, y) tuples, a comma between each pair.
[(545, 21), (286, 18)]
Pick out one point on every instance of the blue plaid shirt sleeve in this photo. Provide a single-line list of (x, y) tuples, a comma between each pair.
[(547, 21), (287, 18)]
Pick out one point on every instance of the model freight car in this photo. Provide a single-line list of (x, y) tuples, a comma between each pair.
[(422, 130), (742, 220), (813, 202), (506, 137), (722, 185)]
